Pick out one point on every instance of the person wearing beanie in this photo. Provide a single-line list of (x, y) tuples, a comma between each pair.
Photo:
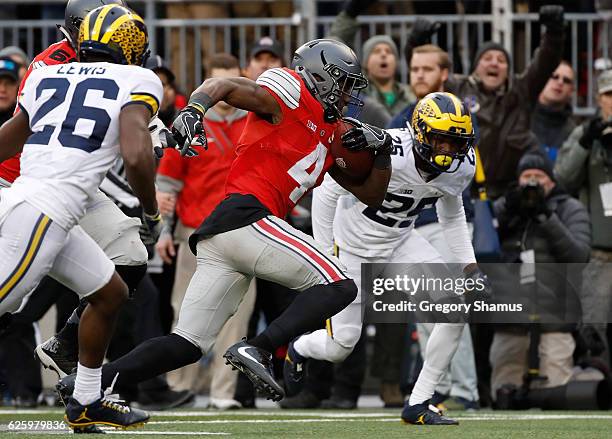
[(19, 56), (380, 60), (538, 223), (502, 101)]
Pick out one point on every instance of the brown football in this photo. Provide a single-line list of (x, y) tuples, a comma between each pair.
[(355, 164)]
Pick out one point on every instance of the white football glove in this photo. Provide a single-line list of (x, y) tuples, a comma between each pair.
[(161, 137)]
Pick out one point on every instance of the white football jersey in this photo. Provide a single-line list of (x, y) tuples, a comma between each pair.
[(371, 232), (73, 111)]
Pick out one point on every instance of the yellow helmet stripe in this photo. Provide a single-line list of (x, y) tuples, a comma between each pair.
[(85, 27), (435, 107), (97, 28), (116, 24), (457, 105)]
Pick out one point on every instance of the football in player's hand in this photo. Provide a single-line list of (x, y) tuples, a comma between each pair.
[(355, 164)]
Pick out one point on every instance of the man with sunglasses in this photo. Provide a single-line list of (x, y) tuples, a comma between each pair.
[(433, 161), (552, 120)]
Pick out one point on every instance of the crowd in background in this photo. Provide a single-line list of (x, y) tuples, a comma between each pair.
[(545, 171)]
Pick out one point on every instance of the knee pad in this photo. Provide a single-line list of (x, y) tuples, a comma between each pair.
[(131, 275), (342, 342), (335, 352)]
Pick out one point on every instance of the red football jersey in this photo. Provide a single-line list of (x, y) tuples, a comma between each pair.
[(279, 163), (57, 53)]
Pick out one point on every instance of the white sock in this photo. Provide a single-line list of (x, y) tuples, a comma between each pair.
[(439, 352), (88, 384)]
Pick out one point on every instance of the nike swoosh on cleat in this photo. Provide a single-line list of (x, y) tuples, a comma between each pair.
[(243, 351)]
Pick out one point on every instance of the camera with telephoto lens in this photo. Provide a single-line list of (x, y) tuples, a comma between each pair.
[(532, 195)]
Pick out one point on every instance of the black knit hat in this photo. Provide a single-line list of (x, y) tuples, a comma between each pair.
[(535, 160), (485, 47)]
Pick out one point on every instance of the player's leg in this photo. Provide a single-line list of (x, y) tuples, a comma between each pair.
[(213, 295), (441, 345), (293, 259), (84, 268), (335, 342), (118, 236)]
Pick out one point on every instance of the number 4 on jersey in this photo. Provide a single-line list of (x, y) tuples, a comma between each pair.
[(299, 172)]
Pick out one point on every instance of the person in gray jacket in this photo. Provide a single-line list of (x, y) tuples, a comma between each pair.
[(584, 166), (539, 223), (501, 101)]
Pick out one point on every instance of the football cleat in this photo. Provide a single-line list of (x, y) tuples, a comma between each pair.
[(425, 414), (256, 364), (293, 370), (65, 388), (58, 354), (104, 411)]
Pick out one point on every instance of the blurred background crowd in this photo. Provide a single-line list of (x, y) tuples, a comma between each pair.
[(539, 84)]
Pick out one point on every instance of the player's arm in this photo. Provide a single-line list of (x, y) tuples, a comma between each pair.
[(452, 218), (136, 146), (371, 191), (238, 92), (14, 133), (324, 202)]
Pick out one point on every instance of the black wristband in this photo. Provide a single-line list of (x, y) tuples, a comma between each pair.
[(200, 101), (382, 161)]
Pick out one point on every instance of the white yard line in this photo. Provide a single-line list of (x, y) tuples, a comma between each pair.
[(167, 433)]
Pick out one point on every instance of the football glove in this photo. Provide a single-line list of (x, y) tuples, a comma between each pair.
[(187, 129), (154, 226), (162, 139), (365, 136)]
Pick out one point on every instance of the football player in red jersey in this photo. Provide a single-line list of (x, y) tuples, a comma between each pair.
[(283, 153)]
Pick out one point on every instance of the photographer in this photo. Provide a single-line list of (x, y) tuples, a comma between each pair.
[(584, 166), (539, 222)]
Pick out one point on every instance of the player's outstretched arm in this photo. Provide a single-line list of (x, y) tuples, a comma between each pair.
[(136, 150), (14, 134), (238, 92)]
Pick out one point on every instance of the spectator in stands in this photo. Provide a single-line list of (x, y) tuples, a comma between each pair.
[(167, 107), (429, 66), (266, 53), (539, 223), (213, 9), (9, 83), (198, 185), (552, 120), (584, 166), (502, 102), (19, 56), (379, 58)]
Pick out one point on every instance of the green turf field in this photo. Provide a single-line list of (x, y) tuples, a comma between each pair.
[(377, 424)]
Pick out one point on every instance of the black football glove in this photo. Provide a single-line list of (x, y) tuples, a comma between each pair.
[(154, 226), (422, 32), (366, 136), (187, 128), (551, 16)]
